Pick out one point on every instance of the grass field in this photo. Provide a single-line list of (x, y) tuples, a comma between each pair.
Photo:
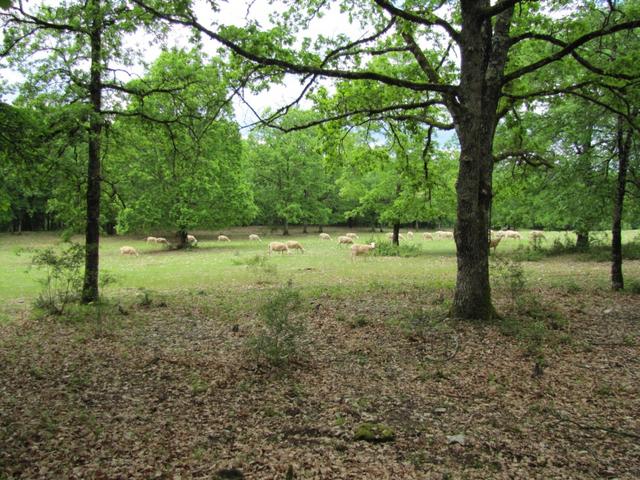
[(174, 375), (215, 265)]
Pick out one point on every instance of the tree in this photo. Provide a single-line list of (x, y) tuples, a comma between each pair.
[(70, 52), (289, 175), (177, 160), (492, 42)]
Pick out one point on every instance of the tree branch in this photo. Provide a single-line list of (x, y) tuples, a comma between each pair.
[(420, 20), (569, 48), (290, 67)]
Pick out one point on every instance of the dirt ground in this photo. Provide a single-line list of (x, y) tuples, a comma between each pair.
[(170, 390)]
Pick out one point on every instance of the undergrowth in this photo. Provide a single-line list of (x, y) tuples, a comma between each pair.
[(279, 337)]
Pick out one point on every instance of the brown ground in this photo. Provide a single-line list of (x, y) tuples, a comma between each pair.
[(170, 392)]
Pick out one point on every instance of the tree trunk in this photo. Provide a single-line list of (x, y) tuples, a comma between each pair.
[(396, 234), (582, 241), (182, 239), (484, 48), (304, 228), (285, 228), (320, 230), (624, 146), (92, 240), (350, 222)]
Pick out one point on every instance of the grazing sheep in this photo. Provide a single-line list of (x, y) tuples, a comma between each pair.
[(443, 234), (512, 234), (497, 234), (162, 240), (192, 240), (410, 235), (493, 243), (536, 235), (151, 240), (325, 236), (278, 247), (255, 237), (293, 245), (390, 236), (344, 240), (357, 249), (223, 238), (427, 236), (352, 235), (128, 251)]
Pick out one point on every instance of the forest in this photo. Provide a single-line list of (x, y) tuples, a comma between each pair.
[(322, 239)]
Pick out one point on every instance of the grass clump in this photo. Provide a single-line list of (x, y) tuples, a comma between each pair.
[(279, 339), (388, 249)]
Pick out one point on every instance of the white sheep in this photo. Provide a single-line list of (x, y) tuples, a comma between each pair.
[(293, 245), (162, 240), (536, 235), (443, 234), (192, 240), (151, 240), (512, 234), (357, 249), (278, 247), (223, 238), (126, 250), (410, 235), (325, 236), (255, 237), (353, 236), (344, 240), (427, 236), (493, 243), (400, 236)]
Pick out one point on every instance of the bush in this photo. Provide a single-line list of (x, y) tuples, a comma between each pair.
[(509, 276), (388, 249), (279, 340), (63, 277)]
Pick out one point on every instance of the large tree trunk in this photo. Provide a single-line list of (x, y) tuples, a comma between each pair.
[(320, 229), (484, 48), (92, 240), (624, 146), (472, 298), (285, 228), (304, 228)]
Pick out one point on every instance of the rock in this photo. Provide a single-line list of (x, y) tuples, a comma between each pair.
[(459, 438), (374, 433), (440, 410)]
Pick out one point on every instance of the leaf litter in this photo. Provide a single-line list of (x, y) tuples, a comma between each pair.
[(172, 392)]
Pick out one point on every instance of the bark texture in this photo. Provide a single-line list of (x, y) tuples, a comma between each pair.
[(90, 291)]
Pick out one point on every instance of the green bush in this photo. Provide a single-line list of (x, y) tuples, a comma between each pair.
[(62, 283), (279, 338)]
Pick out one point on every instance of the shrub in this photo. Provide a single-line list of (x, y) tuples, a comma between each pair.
[(63, 276), (279, 339)]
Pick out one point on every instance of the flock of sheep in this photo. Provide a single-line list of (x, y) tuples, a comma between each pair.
[(348, 239)]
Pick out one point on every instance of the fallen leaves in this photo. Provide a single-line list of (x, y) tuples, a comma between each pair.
[(171, 393)]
